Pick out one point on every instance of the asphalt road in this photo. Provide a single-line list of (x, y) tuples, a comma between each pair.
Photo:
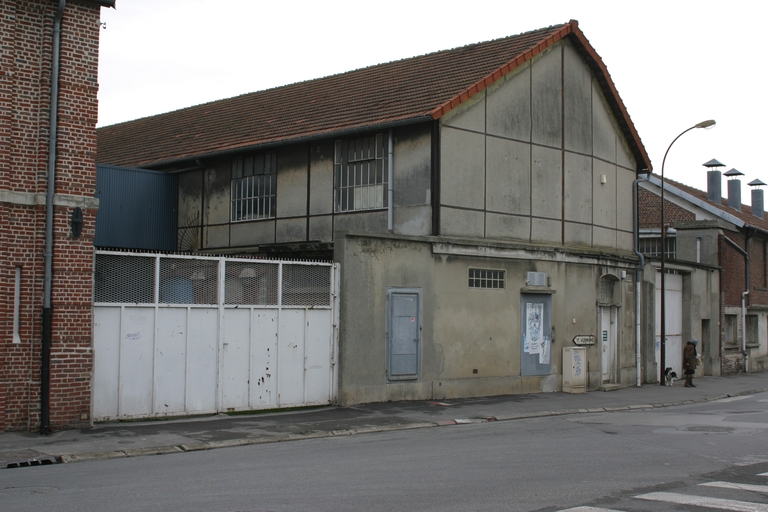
[(550, 463)]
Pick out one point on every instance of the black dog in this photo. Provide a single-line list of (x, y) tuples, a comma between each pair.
[(669, 375)]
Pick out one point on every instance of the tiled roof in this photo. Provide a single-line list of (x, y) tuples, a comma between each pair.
[(744, 215), (410, 90)]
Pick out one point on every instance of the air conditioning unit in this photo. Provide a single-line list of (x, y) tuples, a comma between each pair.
[(537, 279)]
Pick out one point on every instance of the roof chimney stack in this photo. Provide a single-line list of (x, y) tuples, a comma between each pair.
[(758, 202), (714, 181), (734, 189)]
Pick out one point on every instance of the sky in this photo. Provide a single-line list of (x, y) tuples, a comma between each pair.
[(674, 62)]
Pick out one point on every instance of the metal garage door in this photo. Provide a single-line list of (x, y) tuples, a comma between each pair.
[(179, 335)]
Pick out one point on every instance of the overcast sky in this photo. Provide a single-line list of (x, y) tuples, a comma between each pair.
[(674, 62)]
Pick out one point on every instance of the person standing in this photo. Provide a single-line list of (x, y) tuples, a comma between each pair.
[(689, 362)]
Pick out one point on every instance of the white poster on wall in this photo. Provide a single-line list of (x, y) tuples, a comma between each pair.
[(534, 336)]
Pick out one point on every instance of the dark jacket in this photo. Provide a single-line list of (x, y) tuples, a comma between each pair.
[(689, 357)]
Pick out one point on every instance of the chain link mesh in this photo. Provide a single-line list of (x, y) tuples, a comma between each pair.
[(306, 285), (251, 283)]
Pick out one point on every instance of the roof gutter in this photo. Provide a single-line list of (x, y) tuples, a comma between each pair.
[(285, 142)]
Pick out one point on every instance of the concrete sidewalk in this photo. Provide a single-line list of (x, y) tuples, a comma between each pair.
[(130, 439)]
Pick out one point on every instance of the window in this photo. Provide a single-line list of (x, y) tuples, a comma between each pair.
[(360, 174), (751, 326), (731, 329), (482, 278), (254, 180), (651, 246)]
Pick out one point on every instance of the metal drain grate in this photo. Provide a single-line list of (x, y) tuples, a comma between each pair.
[(35, 461)]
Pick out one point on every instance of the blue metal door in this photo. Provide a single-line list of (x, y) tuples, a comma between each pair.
[(404, 334)]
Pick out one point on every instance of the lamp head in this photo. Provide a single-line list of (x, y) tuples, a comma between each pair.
[(709, 123)]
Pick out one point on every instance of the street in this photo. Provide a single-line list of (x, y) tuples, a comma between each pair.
[(611, 461)]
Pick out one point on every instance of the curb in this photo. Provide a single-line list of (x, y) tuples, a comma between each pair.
[(229, 443)]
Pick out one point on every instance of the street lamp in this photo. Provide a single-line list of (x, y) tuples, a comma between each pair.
[(662, 339)]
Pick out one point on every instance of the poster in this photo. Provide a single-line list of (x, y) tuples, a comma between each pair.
[(545, 350), (534, 336)]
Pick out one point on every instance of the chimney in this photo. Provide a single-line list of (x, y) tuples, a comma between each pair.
[(734, 189), (758, 202), (714, 181)]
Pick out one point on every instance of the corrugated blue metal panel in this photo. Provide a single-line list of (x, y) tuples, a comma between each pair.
[(137, 208)]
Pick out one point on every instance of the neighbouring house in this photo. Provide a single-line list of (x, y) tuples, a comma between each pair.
[(477, 201), (717, 288), (48, 113)]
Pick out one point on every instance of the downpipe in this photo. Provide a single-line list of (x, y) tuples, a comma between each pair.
[(390, 185), (45, 350), (638, 275)]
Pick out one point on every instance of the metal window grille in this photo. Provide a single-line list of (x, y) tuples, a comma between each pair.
[(306, 285), (251, 283), (607, 288), (752, 329), (360, 174), (254, 183), (651, 246), (731, 329), (483, 278)]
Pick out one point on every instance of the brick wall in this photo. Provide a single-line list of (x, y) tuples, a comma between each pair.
[(25, 85), (649, 210)]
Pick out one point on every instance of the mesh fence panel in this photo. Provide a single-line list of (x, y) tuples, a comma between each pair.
[(306, 285), (251, 283), (122, 278), (189, 281)]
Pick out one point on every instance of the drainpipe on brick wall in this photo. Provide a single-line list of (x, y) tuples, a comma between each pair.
[(45, 363), (744, 253), (638, 273)]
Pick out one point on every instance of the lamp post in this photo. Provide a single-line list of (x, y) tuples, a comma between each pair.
[(663, 292)]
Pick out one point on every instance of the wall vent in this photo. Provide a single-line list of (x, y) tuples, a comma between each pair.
[(536, 279)]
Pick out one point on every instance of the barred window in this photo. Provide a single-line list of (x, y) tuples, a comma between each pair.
[(360, 175), (483, 278), (254, 180), (651, 246)]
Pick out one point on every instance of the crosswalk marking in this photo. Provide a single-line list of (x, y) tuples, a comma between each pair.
[(743, 487), (699, 501)]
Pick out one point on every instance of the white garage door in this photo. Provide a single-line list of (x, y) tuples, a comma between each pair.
[(673, 306), (180, 335)]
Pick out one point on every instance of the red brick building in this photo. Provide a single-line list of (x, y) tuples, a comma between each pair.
[(711, 234), (48, 79)]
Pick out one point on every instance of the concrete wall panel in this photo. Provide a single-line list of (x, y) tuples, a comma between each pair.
[(374, 221), (577, 107), (470, 115), (507, 227), (217, 194), (455, 222), (190, 198), (603, 131), (545, 230), (292, 181), (546, 99), (624, 213), (291, 230), (321, 228), (578, 188), (252, 233), (579, 234), (413, 220), (509, 106), (546, 183), (462, 165), (321, 178), (604, 237), (508, 176), (215, 236), (412, 164), (604, 194)]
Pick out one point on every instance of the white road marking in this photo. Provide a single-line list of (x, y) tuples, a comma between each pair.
[(762, 474), (699, 501), (743, 487), (589, 509)]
